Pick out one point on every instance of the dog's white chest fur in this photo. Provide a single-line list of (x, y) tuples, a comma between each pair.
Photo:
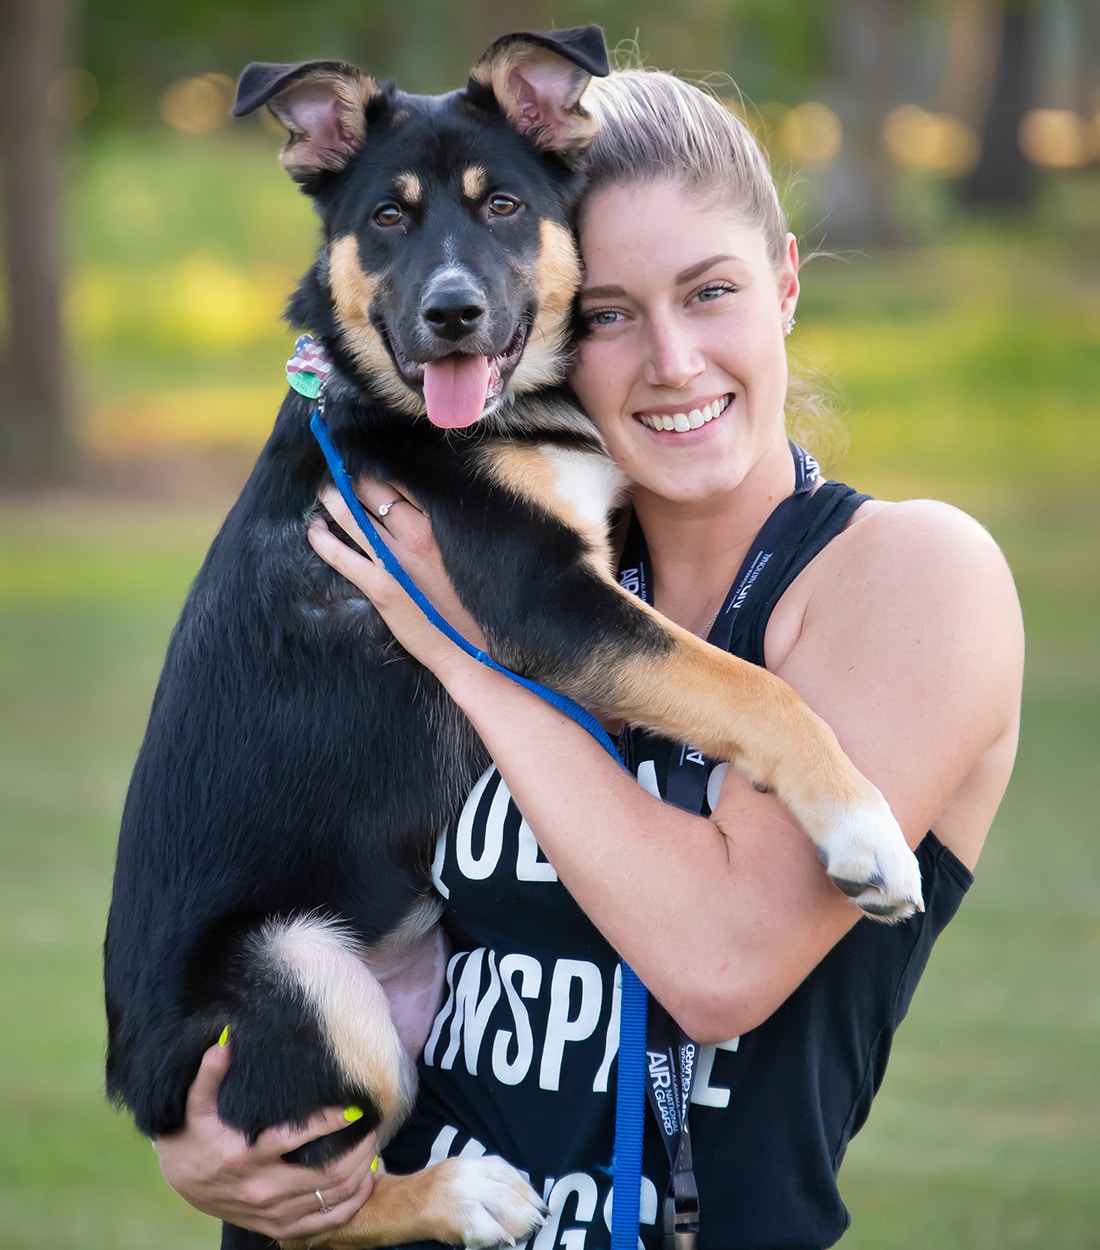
[(588, 485)]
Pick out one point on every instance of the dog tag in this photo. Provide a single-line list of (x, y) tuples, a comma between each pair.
[(307, 384), (308, 368)]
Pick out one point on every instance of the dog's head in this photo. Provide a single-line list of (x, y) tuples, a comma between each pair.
[(448, 266)]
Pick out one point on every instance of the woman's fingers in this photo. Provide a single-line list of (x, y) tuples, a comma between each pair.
[(202, 1097), (216, 1169), (384, 500), (362, 571), (408, 533), (286, 1137), (333, 503), (342, 1186)]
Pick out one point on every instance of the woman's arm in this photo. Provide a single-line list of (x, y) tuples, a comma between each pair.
[(907, 643)]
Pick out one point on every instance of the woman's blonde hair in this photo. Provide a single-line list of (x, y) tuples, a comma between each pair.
[(655, 127)]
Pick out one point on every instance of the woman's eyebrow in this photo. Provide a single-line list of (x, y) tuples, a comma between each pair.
[(689, 275), (600, 292)]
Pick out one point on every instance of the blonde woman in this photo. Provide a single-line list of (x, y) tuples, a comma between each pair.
[(897, 622)]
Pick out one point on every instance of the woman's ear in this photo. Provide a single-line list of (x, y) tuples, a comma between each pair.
[(788, 280)]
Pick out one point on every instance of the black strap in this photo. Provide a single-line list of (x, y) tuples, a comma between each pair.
[(688, 769), (670, 1070), (827, 512), (798, 528)]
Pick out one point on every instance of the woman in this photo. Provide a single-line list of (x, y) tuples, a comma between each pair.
[(898, 623)]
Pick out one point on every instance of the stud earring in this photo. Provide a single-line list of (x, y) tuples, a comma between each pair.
[(788, 327)]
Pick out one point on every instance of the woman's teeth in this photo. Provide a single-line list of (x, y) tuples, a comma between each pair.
[(685, 420)]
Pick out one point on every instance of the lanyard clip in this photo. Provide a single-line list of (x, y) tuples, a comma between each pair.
[(681, 1220)]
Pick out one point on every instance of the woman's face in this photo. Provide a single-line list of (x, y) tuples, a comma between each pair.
[(683, 315)]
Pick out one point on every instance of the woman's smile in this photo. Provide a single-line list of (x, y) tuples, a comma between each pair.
[(681, 422)]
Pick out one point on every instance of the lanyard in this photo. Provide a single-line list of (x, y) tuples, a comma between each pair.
[(670, 1053), (688, 769), (670, 1069)]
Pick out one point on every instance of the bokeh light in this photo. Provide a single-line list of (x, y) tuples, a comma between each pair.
[(937, 143), (197, 106), (810, 133), (1056, 138)]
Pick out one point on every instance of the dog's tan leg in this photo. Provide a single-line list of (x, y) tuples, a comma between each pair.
[(643, 669), (730, 709), (468, 1202)]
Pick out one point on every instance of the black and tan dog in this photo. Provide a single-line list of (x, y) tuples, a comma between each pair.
[(277, 835)]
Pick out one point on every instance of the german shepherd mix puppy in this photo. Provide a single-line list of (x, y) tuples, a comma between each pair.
[(273, 863)]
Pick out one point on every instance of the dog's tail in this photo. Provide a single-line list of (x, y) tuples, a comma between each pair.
[(310, 1027)]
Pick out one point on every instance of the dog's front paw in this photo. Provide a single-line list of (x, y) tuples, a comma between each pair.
[(495, 1205), (867, 857)]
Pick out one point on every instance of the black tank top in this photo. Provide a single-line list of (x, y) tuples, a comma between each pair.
[(521, 1060)]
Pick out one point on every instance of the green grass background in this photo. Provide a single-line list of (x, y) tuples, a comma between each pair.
[(969, 370)]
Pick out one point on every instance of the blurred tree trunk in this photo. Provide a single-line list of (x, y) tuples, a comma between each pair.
[(1003, 176), (36, 443), (1087, 21), (867, 52)]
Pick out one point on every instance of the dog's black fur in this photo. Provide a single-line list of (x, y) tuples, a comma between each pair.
[(297, 763)]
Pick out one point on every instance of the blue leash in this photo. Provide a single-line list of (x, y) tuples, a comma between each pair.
[(630, 1088)]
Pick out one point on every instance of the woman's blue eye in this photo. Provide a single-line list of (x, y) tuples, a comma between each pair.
[(712, 292), (601, 317)]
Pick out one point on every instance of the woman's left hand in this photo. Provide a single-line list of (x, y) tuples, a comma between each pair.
[(408, 533)]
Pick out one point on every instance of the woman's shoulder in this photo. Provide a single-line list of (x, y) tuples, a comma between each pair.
[(923, 544), (920, 563), (905, 519), (906, 635)]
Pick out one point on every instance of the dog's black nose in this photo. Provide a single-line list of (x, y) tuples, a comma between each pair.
[(453, 307)]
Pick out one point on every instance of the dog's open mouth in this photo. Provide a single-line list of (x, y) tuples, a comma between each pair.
[(458, 388)]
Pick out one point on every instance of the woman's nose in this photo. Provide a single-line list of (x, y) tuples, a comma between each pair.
[(673, 358)]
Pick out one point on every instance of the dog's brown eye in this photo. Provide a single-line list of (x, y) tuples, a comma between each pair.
[(502, 205), (388, 215)]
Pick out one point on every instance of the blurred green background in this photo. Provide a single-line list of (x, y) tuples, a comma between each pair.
[(956, 314)]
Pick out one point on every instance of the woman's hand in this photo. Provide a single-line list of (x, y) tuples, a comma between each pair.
[(408, 534), (212, 1166)]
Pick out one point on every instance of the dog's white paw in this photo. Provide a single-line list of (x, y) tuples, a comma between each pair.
[(496, 1205), (867, 857)]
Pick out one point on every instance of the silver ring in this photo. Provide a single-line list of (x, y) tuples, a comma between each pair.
[(325, 1208), (383, 512)]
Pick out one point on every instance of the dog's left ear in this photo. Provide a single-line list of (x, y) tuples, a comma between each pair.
[(537, 78)]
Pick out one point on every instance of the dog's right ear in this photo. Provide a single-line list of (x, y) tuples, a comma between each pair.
[(321, 103), (537, 79)]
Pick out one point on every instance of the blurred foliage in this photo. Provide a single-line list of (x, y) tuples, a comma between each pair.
[(135, 48), (972, 357)]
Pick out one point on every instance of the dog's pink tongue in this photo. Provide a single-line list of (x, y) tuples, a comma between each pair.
[(455, 389)]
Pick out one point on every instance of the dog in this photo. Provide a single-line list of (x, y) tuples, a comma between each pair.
[(273, 860)]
